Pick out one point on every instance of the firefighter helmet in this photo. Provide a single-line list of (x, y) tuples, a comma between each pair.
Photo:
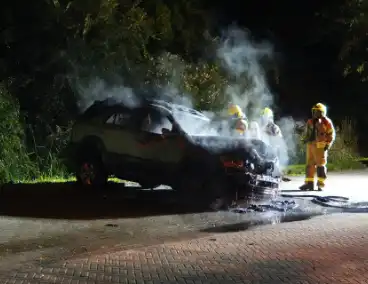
[(267, 113), (321, 108), (235, 111)]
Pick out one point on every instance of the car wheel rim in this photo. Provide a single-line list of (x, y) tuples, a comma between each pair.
[(87, 173)]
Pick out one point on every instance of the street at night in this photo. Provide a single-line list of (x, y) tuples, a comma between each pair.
[(253, 114), (66, 237)]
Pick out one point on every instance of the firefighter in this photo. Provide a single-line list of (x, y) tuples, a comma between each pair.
[(272, 135), (271, 132), (267, 124), (238, 120), (319, 137)]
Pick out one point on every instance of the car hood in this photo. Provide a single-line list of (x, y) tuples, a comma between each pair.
[(235, 145), (219, 143)]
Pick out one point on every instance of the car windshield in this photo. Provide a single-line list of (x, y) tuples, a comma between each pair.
[(194, 124)]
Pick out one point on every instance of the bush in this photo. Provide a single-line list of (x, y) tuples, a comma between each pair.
[(344, 152), (46, 156), (14, 159)]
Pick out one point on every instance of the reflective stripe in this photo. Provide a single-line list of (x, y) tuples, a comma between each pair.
[(309, 179), (321, 144), (321, 179), (320, 184)]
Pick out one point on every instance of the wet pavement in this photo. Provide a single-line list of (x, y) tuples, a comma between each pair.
[(58, 226)]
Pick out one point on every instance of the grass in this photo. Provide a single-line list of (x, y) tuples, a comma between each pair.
[(291, 170), (48, 179), (299, 169)]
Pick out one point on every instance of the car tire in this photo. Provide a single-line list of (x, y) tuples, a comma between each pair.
[(216, 195), (91, 172)]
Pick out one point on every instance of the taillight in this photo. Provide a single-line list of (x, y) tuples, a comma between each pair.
[(233, 164)]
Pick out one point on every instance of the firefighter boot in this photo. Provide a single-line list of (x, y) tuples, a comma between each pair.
[(308, 186), (321, 176), (320, 185)]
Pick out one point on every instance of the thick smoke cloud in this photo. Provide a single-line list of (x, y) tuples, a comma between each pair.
[(98, 90), (242, 59)]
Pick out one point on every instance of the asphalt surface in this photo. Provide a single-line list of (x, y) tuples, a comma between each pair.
[(45, 223)]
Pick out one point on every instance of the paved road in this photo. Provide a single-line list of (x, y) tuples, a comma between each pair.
[(57, 234), (351, 184)]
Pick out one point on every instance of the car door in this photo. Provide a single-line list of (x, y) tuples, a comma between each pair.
[(158, 149), (120, 131)]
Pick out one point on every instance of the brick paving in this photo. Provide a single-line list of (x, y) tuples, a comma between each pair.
[(325, 249)]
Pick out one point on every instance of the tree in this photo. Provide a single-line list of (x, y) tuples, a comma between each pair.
[(346, 23)]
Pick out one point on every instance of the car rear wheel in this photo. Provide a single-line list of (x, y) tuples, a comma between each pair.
[(91, 173)]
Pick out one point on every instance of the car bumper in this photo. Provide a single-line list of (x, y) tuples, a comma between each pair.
[(255, 186)]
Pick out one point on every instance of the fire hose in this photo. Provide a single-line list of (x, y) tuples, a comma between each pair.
[(337, 202), (332, 201)]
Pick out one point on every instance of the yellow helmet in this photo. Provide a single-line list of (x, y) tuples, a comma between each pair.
[(320, 107), (267, 113), (235, 111)]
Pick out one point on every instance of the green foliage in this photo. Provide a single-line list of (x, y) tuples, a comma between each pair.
[(206, 84), (202, 80), (346, 22), (17, 162), (46, 158), (344, 153), (14, 159), (104, 38)]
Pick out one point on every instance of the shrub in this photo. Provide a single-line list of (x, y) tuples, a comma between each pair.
[(14, 160), (344, 152), (46, 155)]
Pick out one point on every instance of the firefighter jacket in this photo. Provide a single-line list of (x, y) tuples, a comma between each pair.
[(240, 125), (272, 129), (320, 131)]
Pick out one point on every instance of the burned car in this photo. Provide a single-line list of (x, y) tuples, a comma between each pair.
[(160, 143)]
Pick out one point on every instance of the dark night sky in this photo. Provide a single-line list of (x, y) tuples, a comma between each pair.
[(308, 69), (308, 73)]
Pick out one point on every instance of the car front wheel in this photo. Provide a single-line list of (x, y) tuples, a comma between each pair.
[(91, 173), (216, 194)]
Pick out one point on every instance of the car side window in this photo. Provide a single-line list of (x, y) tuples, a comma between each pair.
[(120, 119), (155, 121)]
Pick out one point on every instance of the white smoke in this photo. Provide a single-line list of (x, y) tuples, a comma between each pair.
[(241, 58), (99, 90), (288, 144)]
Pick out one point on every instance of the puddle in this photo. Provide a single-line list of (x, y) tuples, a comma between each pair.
[(245, 225)]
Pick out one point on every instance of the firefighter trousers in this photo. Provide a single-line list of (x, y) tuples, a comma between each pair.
[(316, 161)]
